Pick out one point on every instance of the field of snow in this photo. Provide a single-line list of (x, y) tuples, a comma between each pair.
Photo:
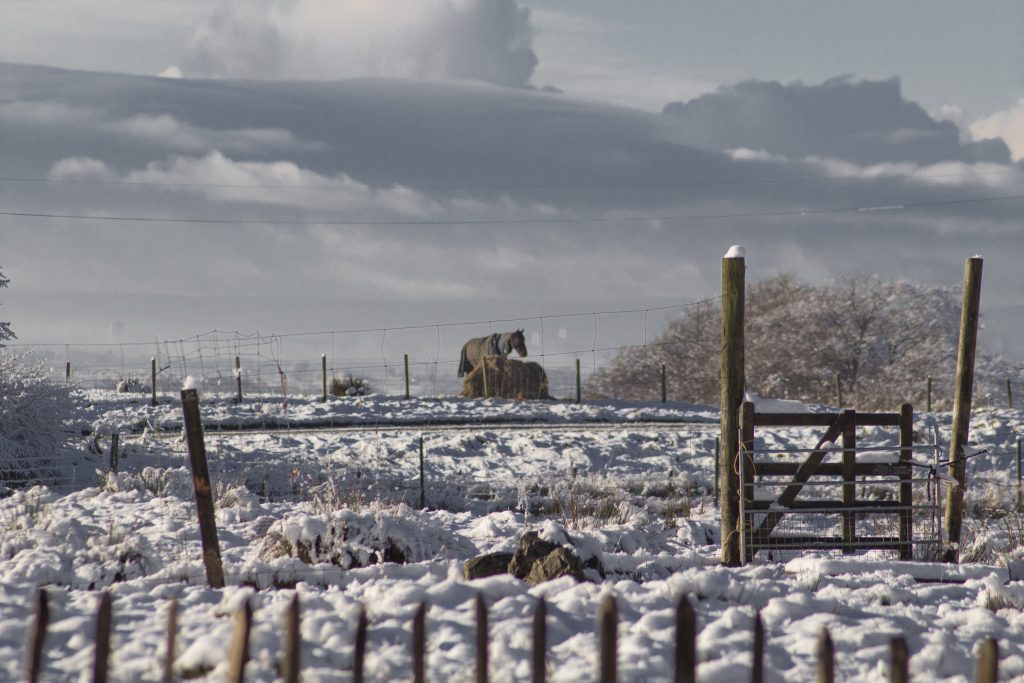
[(313, 499)]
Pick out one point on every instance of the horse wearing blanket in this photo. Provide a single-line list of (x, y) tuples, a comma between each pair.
[(497, 344)]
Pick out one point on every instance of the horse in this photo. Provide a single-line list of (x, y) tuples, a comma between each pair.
[(497, 344)]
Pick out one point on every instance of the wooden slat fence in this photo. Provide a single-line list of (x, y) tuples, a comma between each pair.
[(606, 658)]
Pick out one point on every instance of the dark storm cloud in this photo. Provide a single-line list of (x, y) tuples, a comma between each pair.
[(866, 122)]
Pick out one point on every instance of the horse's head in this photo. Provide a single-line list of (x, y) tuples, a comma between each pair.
[(518, 342)]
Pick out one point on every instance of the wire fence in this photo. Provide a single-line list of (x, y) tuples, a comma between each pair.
[(383, 358)]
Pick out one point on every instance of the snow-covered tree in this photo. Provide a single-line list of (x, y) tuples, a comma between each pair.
[(882, 338), (6, 332)]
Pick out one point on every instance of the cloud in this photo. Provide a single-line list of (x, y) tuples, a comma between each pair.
[(865, 122), (1008, 125), (483, 40)]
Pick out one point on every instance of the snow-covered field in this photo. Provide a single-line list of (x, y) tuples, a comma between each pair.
[(636, 496)]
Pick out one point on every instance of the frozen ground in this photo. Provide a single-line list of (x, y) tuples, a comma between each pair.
[(635, 496)]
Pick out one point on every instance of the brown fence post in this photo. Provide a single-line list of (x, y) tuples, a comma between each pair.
[(608, 626), (826, 657), (540, 643), (579, 394), (152, 373), (962, 405), (292, 641), (238, 379), (38, 636), (204, 493), (423, 481), (849, 481), (359, 651), (988, 662), (67, 372), (323, 374), (757, 655), (481, 639), (928, 404), (101, 656), (238, 655), (1009, 394), (115, 442), (419, 644), (906, 482), (407, 376), (899, 669), (664, 385), (686, 642), (169, 642), (732, 383)]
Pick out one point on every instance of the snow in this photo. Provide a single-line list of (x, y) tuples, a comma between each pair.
[(736, 251), (314, 511)]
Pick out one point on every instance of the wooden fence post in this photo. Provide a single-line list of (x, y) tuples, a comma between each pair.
[(152, 373), (101, 657), (292, 641), (407, 376), (481, 639), (169, 641), (238, 654), (718, 467), (238, 379), (1009, 394), (37, 639), (849, 481), (115, 441), (744, 528), (929, 402), (540, 642), (686, 642), (826, 657), (608, 626), (1020, 484), (323, 374), (988, 662), (579, 394), (757, 658), (732, 383), (419, 644), (899, 669), (204, 492), (359, 651), (906, 482), (423, 482), (962, 405), (664, 385), (67, 372)]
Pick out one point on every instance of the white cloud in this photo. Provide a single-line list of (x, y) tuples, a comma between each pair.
[(1007, 124), (485, 40)]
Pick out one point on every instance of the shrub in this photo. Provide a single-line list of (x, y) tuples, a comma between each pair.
[(33, 416), (349, 386)]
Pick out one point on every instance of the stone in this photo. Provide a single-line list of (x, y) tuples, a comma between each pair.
[(531, 549), (490, 564), (559, 562)]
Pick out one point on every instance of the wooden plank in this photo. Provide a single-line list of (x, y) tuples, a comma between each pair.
[(292, 641), (38, 636), (238, 654), (862, 506), (746, 477), (481, 639), (539, 667), (419, 644), (824, 419), (808, 468), (686, 642), (169, 641), (764, 468), (203, 489), (849, 477), (101, 655), (906, 485), (608, 626)]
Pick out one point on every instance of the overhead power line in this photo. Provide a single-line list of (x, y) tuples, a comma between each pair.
[(510, 221), (511, 187)]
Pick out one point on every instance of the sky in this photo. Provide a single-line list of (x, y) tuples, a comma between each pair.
[(316, 165)]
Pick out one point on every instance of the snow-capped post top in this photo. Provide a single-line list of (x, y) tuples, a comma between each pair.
[(736, 251)]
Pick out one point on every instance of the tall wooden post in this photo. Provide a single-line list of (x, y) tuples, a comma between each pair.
[(686, 643), (423, 482), (539, 649), (38, 637), (1020, 502), (664, 387), (238, 653), (406, 376), (608, 629), (152, 376), (849, 482), (1009, 394), (579, 394), (169, 639), (826, 658), (929, 402), (906, 531), (359, 650), (323, 374), (899, 667), (419, 644), (67, 372), (757, 656), (732, 381), (987, 670), (292, 641), (238, 379), (101, 655), (204, 492), (481, 639), (962, 404)]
